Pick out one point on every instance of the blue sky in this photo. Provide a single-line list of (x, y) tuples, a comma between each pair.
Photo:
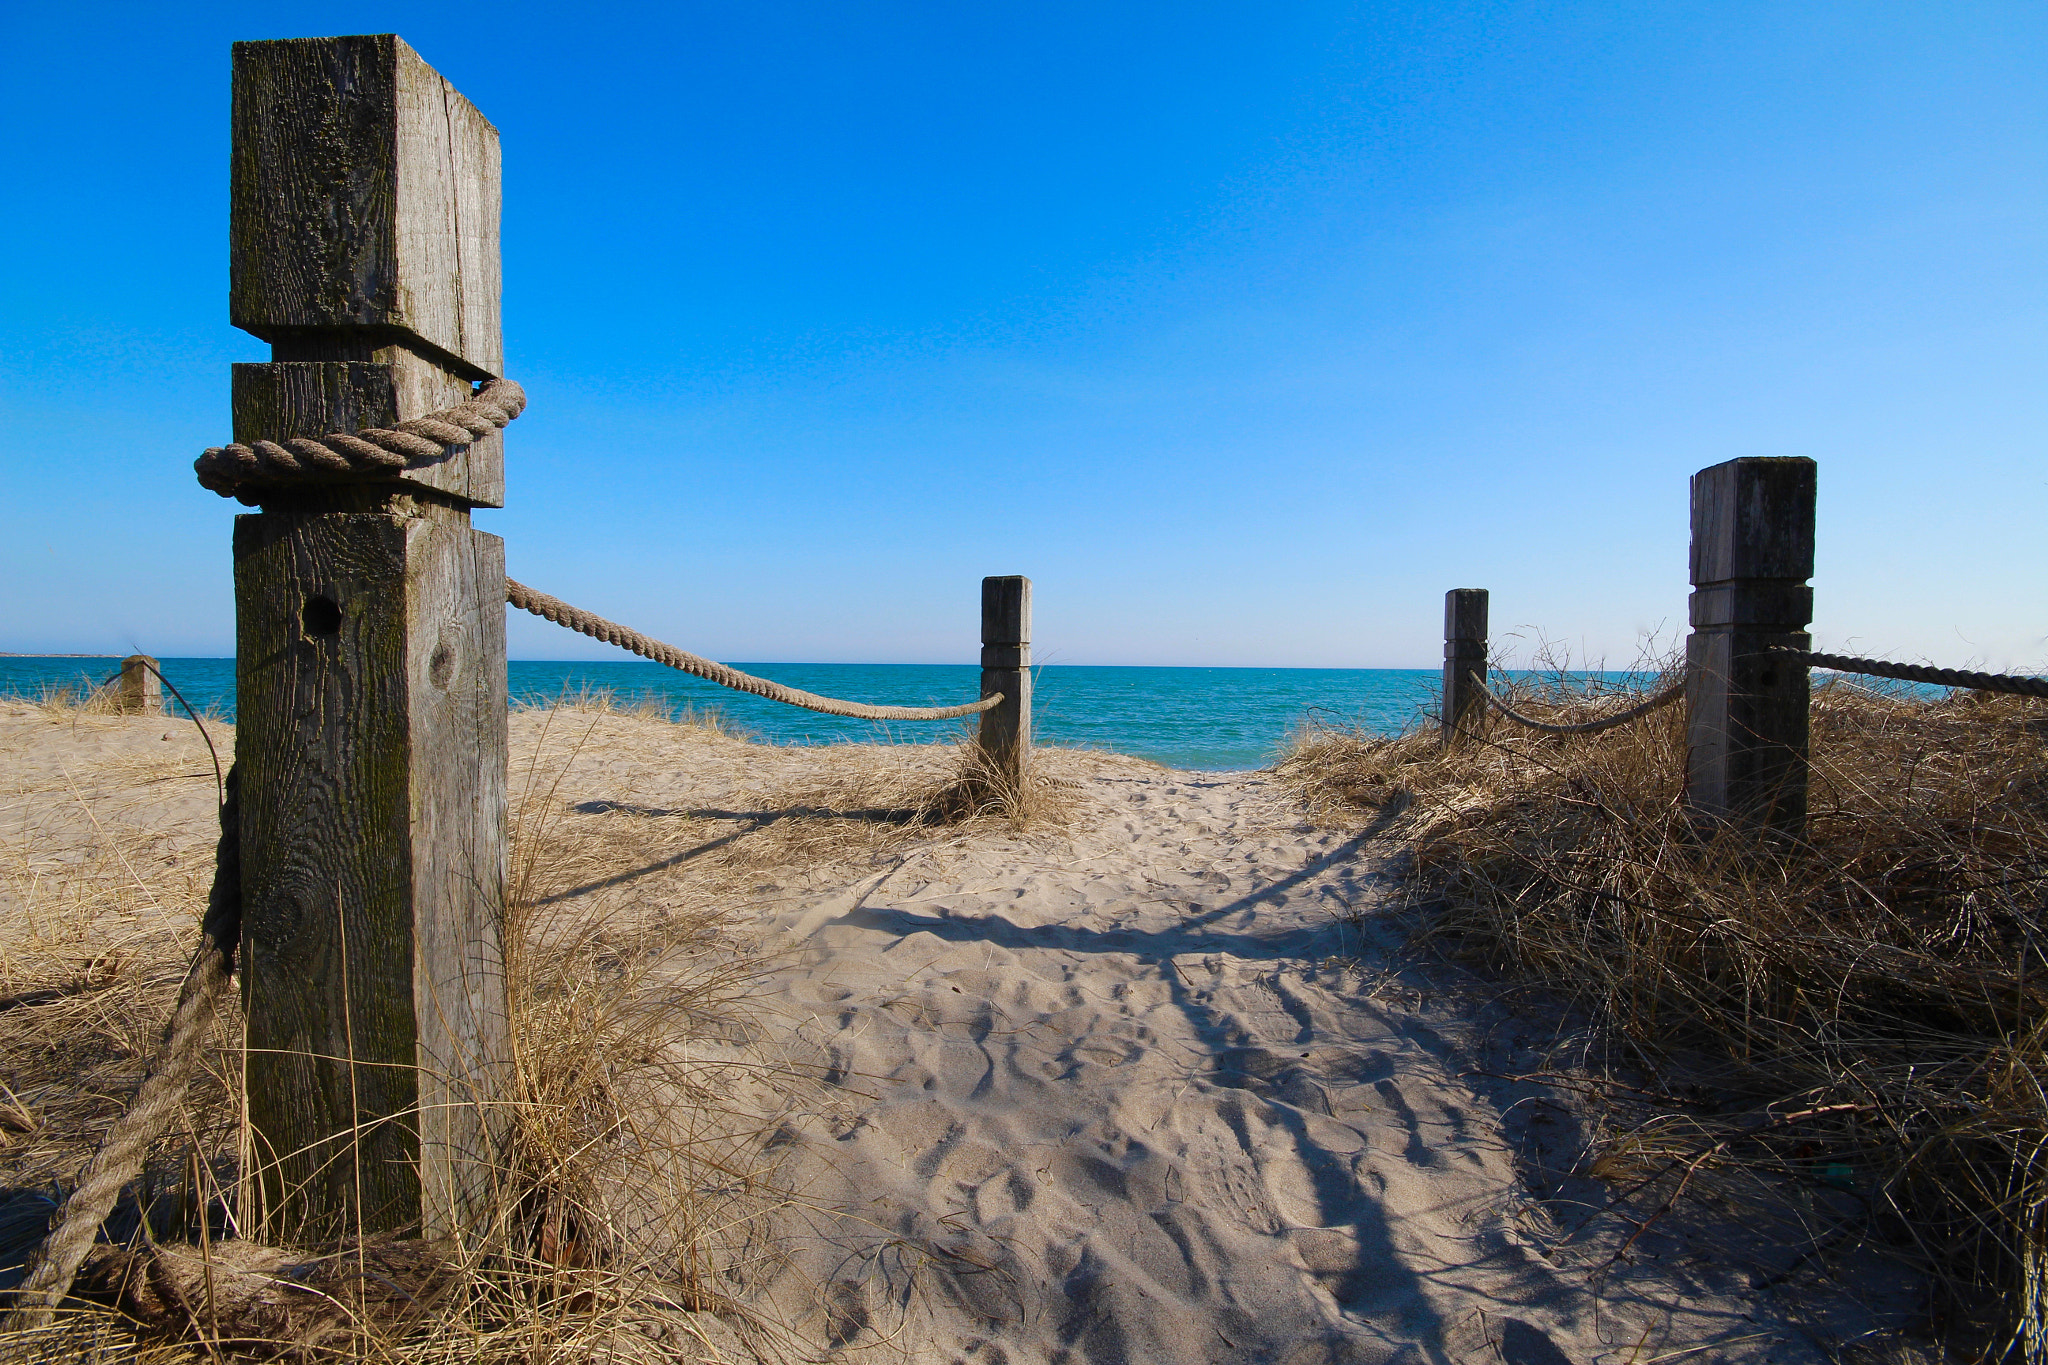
[(1245, 330)]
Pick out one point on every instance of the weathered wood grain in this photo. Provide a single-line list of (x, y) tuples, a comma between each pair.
[(365, 196), (370, 679), (1747, 712), (1005, 733), (1464, 657)]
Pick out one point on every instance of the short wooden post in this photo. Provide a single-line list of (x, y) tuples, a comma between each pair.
[(142, 691), (1005, 737), (1464, 657), (1752, 554), (370, 648)]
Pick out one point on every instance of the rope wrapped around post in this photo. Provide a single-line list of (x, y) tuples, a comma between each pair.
[(412, 444), (597, 628), (1636, 712), (1920, 673), (126, 1146)]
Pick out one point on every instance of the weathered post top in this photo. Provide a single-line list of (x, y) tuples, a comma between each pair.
[(1006, 621), (1752, 523), (363, 247), (1465, 615), (365, 195)]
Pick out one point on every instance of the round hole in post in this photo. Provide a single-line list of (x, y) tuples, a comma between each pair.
[(322, 616)]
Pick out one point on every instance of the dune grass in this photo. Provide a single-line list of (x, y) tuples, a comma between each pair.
[(1865, 1008)]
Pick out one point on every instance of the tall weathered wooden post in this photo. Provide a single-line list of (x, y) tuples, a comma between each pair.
[(1464, 657), (370, 645), (1005, 737), (1752, 554)]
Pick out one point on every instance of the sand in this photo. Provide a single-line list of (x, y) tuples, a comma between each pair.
[(1160, 1084)]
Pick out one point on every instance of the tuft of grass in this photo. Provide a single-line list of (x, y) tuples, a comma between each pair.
[(985, 787), (1869, 1006), (63, 701)]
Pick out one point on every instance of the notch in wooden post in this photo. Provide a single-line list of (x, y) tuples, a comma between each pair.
[(142, 691), (1005, 737), (370, 649), (1464, 658), (1752, 554)]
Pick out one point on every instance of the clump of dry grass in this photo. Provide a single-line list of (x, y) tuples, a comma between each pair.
[(1869, 1007), (61, 701)]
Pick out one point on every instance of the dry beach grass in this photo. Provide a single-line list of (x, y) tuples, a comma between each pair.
[(1863, 1011)]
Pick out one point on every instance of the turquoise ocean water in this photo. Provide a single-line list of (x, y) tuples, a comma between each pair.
[(1182, 717)]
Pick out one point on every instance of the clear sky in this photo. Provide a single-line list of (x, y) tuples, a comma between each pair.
[(1245, 330)]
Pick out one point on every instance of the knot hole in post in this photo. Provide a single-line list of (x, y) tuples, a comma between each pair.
[(322, 616)]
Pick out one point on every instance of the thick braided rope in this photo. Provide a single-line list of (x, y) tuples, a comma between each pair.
[(126, 1146), (412, 444), (1941, 677), (1636, 712), (597, 628)]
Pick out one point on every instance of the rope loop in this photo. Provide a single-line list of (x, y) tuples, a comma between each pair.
[(235, 470), (597, 628)]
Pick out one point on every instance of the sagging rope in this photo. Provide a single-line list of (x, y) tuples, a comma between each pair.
[(126, 1146), (597, 628), (1623, 717), (233, 469), (1920, 673)]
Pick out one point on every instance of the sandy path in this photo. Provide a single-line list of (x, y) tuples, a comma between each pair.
[(1119, 1099)]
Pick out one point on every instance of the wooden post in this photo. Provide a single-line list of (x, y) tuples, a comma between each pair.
[(1752, 552), (1464, 657), (1005, 737), (142, 692), (370, 648)]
